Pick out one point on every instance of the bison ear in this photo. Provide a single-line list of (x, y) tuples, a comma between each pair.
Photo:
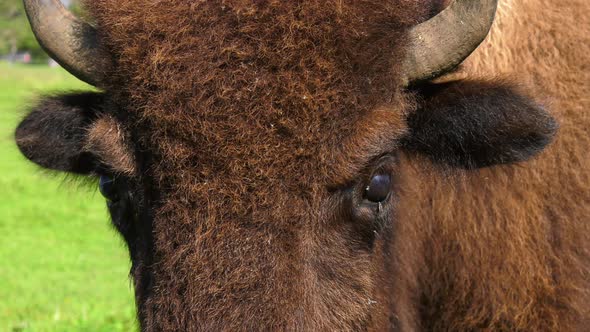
[(478, 124), (71, 133)]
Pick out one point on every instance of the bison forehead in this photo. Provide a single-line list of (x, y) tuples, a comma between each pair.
[(253, 87), (232, 52)]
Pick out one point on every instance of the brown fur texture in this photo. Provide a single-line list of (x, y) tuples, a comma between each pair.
[(508, 248), (238, 97), (107, 141), (255, 126)]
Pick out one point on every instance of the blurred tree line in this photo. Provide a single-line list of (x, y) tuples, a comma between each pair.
[(15, 33)]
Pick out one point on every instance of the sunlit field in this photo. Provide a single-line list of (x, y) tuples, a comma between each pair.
[(62, 266)]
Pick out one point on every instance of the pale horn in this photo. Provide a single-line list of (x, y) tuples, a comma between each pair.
[(444, 41), (71, 42)]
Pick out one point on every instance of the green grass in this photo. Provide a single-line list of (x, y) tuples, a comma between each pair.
[(62, 266)]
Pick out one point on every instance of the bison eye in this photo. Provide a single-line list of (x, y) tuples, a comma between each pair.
[(108, 188), (379, 187)]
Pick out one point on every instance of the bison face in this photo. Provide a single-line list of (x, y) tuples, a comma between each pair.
[(301, 246), (257, 156)]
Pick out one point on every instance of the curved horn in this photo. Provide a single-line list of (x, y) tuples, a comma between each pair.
[(444, 41), (69, 41)]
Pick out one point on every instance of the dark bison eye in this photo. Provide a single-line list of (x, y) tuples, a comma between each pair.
[(108, 188), (378, 189)]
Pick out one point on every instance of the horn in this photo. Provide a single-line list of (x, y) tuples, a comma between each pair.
[(444, 41), (69, 41)]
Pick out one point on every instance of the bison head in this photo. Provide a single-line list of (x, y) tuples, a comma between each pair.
[(257, 155)]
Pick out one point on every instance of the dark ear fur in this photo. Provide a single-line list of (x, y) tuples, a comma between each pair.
[(478, 124), (53, 134)]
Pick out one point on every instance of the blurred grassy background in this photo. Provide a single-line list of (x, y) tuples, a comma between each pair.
[(62, 266)]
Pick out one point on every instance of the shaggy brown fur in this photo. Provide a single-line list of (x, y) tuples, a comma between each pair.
[(106, 139), (508, 248), (256, 126), (238, 98)]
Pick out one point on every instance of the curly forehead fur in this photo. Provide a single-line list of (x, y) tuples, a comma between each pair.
[(232, 99), (267, 76)]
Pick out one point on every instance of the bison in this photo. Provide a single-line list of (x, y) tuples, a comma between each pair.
[(333, 164)]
